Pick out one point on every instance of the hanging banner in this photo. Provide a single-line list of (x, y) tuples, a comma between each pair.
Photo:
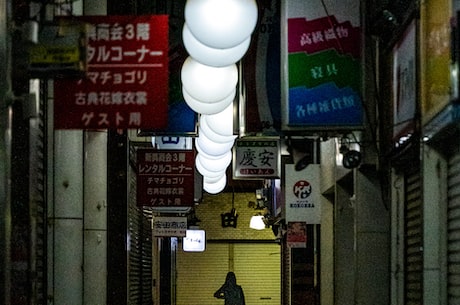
[(256, 158), (126, 85), (302, 194), (323, 60), (165, 178)]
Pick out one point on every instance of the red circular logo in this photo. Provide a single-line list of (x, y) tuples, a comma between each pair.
[(302, 189)]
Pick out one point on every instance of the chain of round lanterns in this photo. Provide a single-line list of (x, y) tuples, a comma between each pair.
[(216, 35)]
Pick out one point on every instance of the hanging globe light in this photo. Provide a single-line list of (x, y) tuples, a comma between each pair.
[(208, 84), (215, 164), (214, 187), (220, 123), (213, 56), (214, 175), (212, 148), (221, 24), (208, 108), (210, 134)]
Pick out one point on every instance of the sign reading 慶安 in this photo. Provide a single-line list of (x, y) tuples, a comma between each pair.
[(254, 158)]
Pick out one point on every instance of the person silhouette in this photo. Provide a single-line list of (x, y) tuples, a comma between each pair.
[(230, 291)]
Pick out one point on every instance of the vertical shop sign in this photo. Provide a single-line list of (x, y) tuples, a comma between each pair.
[(257, 159), (404, 85), (302, 191), (126, 85), (165, 178), (323, 67)]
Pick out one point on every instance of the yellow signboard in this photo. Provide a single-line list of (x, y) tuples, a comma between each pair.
[(60, 50), (435, 55), (47, 54)]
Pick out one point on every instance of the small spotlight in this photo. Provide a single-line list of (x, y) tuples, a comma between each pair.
[(351, 158), (257, 222)]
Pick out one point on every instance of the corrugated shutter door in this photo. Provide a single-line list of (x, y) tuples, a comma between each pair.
[(453, 227), (200, 274), (257, 268), (413, 239)]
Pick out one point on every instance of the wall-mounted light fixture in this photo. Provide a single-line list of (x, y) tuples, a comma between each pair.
[(350, 158), (257, 222)]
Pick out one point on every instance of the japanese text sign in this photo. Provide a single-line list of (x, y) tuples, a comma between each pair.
[(194, 241), (165, 178), (303, 194), (126, 85), (256, 158), (323, 73), (169, 226)]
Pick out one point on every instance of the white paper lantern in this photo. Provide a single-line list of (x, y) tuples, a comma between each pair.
[(213, 56), (215, 187), (222, 122), (208, 84), (216, 175), (213, 136), (214, 179), (211, 148), (221, 23), (208, 108), (213, 164)]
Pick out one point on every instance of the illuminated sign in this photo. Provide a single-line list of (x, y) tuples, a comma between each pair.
[(323, 60), (256, 158), (126, 85), (165, 178), (194, 241)]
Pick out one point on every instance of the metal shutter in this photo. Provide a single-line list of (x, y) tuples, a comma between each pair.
[(200, 274), (256, 266), (453, 229), (258, 271), (413, 279), (140, 250)]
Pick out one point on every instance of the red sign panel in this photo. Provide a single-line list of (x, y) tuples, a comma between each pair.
[(165, 178), (126, 85)]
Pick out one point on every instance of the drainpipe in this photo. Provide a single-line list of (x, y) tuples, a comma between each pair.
[(95, 218), (67, 219), (95, 201), (5, 155)]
